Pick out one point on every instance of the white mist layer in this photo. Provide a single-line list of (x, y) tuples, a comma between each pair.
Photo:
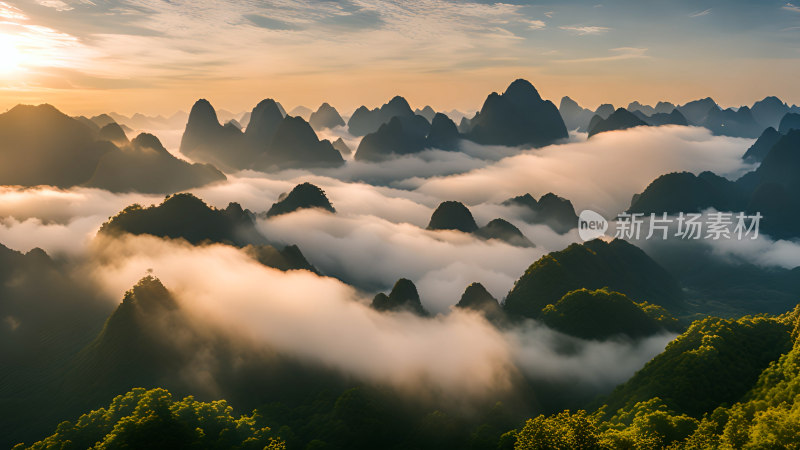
[(324, 321)]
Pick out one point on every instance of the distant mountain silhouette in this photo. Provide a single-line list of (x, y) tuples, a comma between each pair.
[(658, 119), (618, 265), (39, 145), (464, 126), (575, 117), (113, 133), (88, 124), (245, 119), (696, 111), (781, 164), (790, 121), (451, 215), (775, 187), (621, 119), (773, 190), (601, 314), (340, 145), (365, 121), (302, 196), (264, 121), (635, 106), (300, 111), (762, 145), (402, 135), (443, 134), (477, 298), (684, 192), (296, 145), (403, 297), (325, 117), (604, 110), (205, 140), (101, 120), (729, 122), (269, 142), (144, 165), (427, 112), (143, 122), (664, 108), (551, 210), (649, 111), (769, 111), (519, 116), (502, 230)]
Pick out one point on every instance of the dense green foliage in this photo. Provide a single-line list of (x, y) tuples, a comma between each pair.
[(601, 314), (617, 265), (764, 410), (714, 362), (152, 419), (185, 216)]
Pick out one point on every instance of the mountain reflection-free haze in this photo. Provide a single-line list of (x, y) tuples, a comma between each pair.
[(376, 224)]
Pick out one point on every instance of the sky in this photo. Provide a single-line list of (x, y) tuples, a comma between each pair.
[(159, 56)]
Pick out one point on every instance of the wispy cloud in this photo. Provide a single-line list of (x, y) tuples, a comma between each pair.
[(619, 53), (701, 13), (9, 12), (58, 5), (536, 24), (791, 7), (585, 30)]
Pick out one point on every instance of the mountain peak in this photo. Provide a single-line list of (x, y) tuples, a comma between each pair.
[(443, 133), (149, 295), (503, 230), (398, 101), (475, 296), (403, 297), (620, 119), (326, 116), (302, 196), (203, 111), (265, 119), (452, 215), (522, 88), (147, 140), (567, 102), (113, 133)]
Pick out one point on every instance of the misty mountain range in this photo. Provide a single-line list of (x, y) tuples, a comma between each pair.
[(267, 139), (449, 304)]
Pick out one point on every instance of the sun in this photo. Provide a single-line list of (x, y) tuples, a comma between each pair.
[(10, 56)]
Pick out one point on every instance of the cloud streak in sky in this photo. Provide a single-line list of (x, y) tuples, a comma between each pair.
[(583, 30)]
